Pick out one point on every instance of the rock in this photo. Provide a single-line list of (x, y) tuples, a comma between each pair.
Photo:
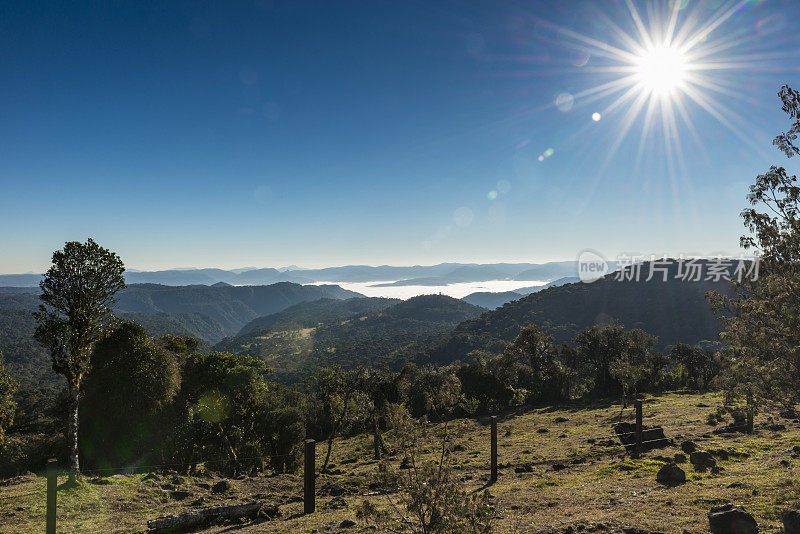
[(347, 523), (560, 420), (688, 447), (542, 431), (671, 475), (791, 522), (731, 519), (180, 495), (702, 460), (223, 486), (680, 458), (785, 463)]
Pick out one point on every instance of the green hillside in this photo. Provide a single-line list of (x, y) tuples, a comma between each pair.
[(387, 337), (308, 314)]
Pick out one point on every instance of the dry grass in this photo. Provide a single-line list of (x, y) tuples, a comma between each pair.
[(594, 483)]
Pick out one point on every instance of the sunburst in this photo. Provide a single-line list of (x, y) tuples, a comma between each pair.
[(672, 58)]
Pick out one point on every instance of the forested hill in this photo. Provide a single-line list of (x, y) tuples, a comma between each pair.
[(309, 314), (674, 310), (229, 307), (208, 313), (390, 336)]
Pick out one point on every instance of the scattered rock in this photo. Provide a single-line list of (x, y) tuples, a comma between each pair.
[(731, 519), (223, 486), (671, 475), (688, 447), (680, 458), (702, 460), (347, 523), (791, 522)]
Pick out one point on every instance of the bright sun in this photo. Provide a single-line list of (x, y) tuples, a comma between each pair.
[(661, 69)]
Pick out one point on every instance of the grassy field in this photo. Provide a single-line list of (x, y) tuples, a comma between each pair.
[(558, 468)]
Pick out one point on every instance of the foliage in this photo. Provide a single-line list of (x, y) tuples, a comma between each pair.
[(131, 383), (763, 320), (7, 405), (222, 396), (429, 498)]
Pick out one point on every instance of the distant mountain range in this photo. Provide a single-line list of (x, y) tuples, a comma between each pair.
[(433, 275)]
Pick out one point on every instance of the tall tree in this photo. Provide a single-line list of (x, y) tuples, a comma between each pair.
[(763, 319), (77, 296)]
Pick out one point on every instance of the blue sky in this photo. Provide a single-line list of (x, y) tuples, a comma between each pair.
[(261, 133)]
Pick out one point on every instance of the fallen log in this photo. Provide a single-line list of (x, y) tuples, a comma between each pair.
[(202, 517)]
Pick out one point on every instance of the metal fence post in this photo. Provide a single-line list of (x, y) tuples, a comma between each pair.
[(308, 477), (494, 449), (52, 484)]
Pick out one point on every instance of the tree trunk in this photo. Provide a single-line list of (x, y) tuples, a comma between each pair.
[(72, 433)]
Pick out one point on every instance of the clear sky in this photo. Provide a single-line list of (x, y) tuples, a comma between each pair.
[(262, 133)]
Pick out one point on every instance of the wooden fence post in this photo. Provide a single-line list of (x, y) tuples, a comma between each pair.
[(309, 476), (638, 405), (494, 449), (52, 484)]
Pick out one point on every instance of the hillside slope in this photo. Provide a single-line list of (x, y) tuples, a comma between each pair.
[(390, 336), (309, 314), (675, 311)]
